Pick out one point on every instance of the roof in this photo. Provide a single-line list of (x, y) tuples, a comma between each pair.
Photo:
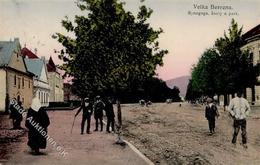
[(34, 66), (51, 66), (253, 32), (26, 52), (6, 50)]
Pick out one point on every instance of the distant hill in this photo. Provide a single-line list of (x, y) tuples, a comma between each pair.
[(180, 82)]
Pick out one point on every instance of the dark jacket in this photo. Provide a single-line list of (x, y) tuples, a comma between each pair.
[(98, 109), (87, 109), (109, 110), (36, 139), (211, 112), (14, 114)]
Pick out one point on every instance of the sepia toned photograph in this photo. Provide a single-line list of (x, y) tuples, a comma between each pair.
[(129, 82)]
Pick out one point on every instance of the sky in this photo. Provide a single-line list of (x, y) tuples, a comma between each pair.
[(186, 34)]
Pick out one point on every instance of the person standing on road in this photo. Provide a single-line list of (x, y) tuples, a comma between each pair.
[(110, 115), (87, 108), (37, 121), (99, 106), (211, 112), (14, 114), (7, 102), (19, 117), (239, 110)]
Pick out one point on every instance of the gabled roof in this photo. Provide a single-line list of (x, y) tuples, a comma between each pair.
[(51, 67), (26, 52), (6, 50), (252, 33), (34, 66)]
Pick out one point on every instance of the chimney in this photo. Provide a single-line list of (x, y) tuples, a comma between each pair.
[(16, 40), (43, 58), (35, 51)]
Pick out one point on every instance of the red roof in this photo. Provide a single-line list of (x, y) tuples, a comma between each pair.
[(51, 66), (28, 53)]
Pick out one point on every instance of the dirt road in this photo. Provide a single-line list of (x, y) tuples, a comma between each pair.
[(169, 134)]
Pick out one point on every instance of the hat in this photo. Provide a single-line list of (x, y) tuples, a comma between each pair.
[(209, 100)]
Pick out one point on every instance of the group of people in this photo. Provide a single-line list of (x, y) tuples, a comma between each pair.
[(37, 117), (88, 106), (37, 121), (238, 109)]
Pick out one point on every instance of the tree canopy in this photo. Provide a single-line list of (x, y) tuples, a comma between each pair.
[(111, 48), (223, 69), (205, 73)]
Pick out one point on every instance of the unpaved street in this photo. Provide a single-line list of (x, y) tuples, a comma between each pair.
[(169, 134), (97, 148)]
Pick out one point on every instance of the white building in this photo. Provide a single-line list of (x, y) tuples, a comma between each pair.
[(56, 82), (41, 86), (252, 38)]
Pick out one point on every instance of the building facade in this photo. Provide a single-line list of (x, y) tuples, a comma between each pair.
[(16, 80), (38, 67), (55, 82), (252, 39)]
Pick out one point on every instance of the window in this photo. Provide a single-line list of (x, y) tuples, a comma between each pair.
[(15, 80), (259, 54), (41, 97), (19, 83), (29, 83), (23, 82), (23, 100)]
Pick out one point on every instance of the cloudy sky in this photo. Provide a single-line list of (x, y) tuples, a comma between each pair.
[(186, 34)]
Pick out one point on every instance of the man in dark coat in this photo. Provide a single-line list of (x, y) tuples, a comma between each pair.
[(99, 106), (110, 115), (13, 114), (211, 112), (37, 121), (7, 102), (87, 108), (18, 117)]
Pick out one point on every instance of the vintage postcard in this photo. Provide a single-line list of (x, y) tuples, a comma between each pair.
[(129, 82)]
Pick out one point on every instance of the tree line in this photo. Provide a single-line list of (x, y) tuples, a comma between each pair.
[(224, 68)]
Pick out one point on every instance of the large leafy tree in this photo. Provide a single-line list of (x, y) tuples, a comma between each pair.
[(205, 75), (191, 93), (225, 68), (236, 65), (111, 48)]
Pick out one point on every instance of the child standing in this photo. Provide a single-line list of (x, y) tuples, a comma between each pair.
[(211, 112)]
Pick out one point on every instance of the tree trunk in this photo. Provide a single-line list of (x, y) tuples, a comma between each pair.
[(119, 140), (119, 113), (253, 95)]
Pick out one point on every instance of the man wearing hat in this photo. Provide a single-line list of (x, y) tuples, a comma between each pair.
[(99, 107), (87, 108), (211, 112)]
